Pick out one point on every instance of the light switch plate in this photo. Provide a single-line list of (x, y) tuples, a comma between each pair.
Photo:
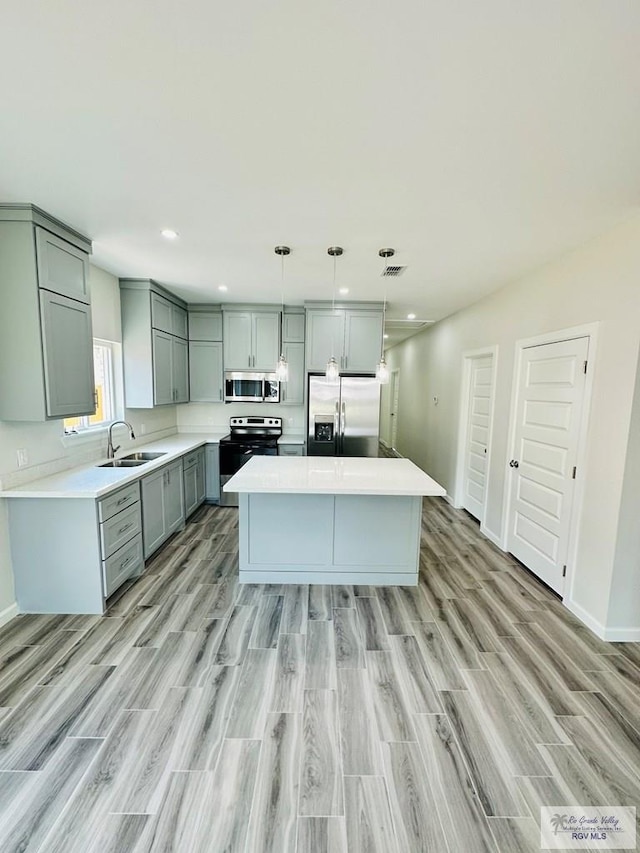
[(23, 457)]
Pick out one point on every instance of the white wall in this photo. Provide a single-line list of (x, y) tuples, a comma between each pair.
[(48, 450), (204, 417), (599, 282), (624, 601)]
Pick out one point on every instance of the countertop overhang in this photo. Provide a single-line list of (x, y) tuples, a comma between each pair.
[(330, 475)]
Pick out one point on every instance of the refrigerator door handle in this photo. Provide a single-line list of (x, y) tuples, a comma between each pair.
[(336, 428), (343, 426)]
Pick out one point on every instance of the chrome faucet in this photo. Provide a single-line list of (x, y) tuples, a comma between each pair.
[(111, 450)]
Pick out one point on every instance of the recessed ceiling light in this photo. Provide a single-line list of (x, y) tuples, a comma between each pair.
[(169, 233), (385, 337), (344, 291), (223, 287), (411, 316)]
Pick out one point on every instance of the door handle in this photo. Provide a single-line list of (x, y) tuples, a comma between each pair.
[(514, 463), (336, 426), (344, 421)]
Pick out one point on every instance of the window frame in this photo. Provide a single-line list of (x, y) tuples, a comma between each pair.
[(113, 394)]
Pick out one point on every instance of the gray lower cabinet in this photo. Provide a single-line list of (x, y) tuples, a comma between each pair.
[(162, 506), (70, 554), (46, 344), (212, 476), (194, 480), (120, 537)]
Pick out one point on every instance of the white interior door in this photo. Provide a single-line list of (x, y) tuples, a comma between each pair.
[(548, 419), (393, 414), (478, 432)]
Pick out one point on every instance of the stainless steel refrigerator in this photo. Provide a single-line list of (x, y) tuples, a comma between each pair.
[(343, 416)]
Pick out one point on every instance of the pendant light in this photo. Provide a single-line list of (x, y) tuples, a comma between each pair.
[(332, 372), (382, 369), (282, 367)]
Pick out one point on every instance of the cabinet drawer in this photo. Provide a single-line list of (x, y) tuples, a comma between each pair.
[(121, 565), (192, 458), (291, 450), (119, 529), (118, 501)]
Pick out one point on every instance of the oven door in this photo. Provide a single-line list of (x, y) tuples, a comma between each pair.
[(233, 455)]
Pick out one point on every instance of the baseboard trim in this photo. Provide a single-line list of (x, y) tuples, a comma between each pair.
[(609, 635), (8, 613), (488, 534)]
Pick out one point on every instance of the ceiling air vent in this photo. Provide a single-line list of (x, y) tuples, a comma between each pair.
[(392, 271)]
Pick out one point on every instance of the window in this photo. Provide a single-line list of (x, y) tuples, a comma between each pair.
[(106, 405)]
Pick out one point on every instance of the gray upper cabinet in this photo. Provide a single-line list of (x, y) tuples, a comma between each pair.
[(46, 343), (62, 267), (293, 328), (180, 370), (362, 340), (205, 325), (292, 391), (162, 369), (168, 317), (325, 337), (205, 355), (352, 335), (251, 340), (238, 353), (68, 355), (205, 372), (154, 345)]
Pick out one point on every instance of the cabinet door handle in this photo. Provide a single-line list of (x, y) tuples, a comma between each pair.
[(125, 527), (124, 562), (346, 362), (122, 501), (220, 394)]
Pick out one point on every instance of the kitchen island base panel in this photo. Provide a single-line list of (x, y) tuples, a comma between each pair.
[(329, 539), (339, 578)]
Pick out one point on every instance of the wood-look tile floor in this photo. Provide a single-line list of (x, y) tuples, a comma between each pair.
[(201, 715)]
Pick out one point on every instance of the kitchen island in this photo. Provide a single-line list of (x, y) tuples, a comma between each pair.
[(330, 520)]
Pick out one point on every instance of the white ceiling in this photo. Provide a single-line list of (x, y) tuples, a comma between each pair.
[(480, 139)]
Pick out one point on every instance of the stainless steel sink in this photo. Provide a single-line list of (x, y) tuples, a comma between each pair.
[(143, 456), (122, 463)]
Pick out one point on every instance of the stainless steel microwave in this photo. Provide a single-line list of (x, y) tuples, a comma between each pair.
[(241, 387)]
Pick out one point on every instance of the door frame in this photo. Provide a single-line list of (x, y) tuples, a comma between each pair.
[(468, 357), (590, 331), (394, 385)]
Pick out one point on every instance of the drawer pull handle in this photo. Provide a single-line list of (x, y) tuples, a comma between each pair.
[(122, 500), (125, 527), (124, 562)]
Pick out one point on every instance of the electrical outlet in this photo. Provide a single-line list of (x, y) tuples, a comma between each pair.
[(143, 429), (23, 457)]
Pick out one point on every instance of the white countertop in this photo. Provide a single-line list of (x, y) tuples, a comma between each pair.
[(292, 438), (91, 481), (330, 475)]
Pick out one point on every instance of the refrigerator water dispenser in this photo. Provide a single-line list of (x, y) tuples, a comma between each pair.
[(323, 426)]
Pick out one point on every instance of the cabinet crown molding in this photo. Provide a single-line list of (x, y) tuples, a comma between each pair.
[(34, 214)]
